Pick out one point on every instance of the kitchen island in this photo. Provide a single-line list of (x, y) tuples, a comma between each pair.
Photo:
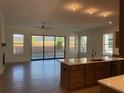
[(81, 72), (112, 85)]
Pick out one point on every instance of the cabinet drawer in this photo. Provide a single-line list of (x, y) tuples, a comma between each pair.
[(76, 74), (103, 64), (78, 67), (90, 66)]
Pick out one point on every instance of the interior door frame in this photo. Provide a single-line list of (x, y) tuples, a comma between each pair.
[(54, 47)]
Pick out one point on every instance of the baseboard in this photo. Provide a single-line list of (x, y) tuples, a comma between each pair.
[(17, 62)]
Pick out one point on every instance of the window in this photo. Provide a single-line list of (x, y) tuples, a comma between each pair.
[(108, 44), (18, 43), (48, 47), (83, 44), (37, 47), (72, 43)]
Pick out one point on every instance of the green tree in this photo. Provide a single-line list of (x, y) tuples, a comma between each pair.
[(59, 45)]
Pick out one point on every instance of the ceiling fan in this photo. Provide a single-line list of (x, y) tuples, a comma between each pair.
[(42, 26)]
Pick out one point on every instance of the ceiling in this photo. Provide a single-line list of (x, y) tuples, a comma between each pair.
[(55, 14)]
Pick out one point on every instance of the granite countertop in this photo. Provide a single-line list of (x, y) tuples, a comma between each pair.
[(115, 83), (79, 61)]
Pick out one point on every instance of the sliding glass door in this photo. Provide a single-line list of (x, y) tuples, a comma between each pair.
[(37, 47), (48, 47), (60, 47)]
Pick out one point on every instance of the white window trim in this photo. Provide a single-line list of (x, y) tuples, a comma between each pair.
[(74, 44), (21, 43), (83, 44), (107, 54)]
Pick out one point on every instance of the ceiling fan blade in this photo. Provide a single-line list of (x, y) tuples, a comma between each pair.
[(38, 27), (42, 26)]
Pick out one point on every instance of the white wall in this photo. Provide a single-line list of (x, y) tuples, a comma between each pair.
[(26, 57), (2, 40), (95, 40), (0, 46)]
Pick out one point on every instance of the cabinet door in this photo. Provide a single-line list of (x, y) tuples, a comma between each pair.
[(103, 70), (115, 70), (64, 76), (90, 74), (121, 67), (76, 76), (72, 76), (76, 79)]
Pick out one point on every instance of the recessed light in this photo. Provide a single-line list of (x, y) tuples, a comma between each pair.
[(91, 11), (110, 22), (105, 14), (73, 6)]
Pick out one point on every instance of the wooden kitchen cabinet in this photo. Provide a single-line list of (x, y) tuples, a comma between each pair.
[(90, 74), (75, 76), (72, 76), (115, 68), (87, 74), (103, 70), (64, 76), (121, 67), (76, 79)]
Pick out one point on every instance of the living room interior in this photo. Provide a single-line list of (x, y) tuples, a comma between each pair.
[(61, 46)]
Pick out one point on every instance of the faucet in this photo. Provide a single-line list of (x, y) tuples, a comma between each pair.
[(93, 54)]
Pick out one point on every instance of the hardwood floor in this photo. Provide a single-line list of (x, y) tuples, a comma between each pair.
[(36, 77)]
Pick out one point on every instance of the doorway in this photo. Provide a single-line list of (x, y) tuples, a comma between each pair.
[(48, 47)]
